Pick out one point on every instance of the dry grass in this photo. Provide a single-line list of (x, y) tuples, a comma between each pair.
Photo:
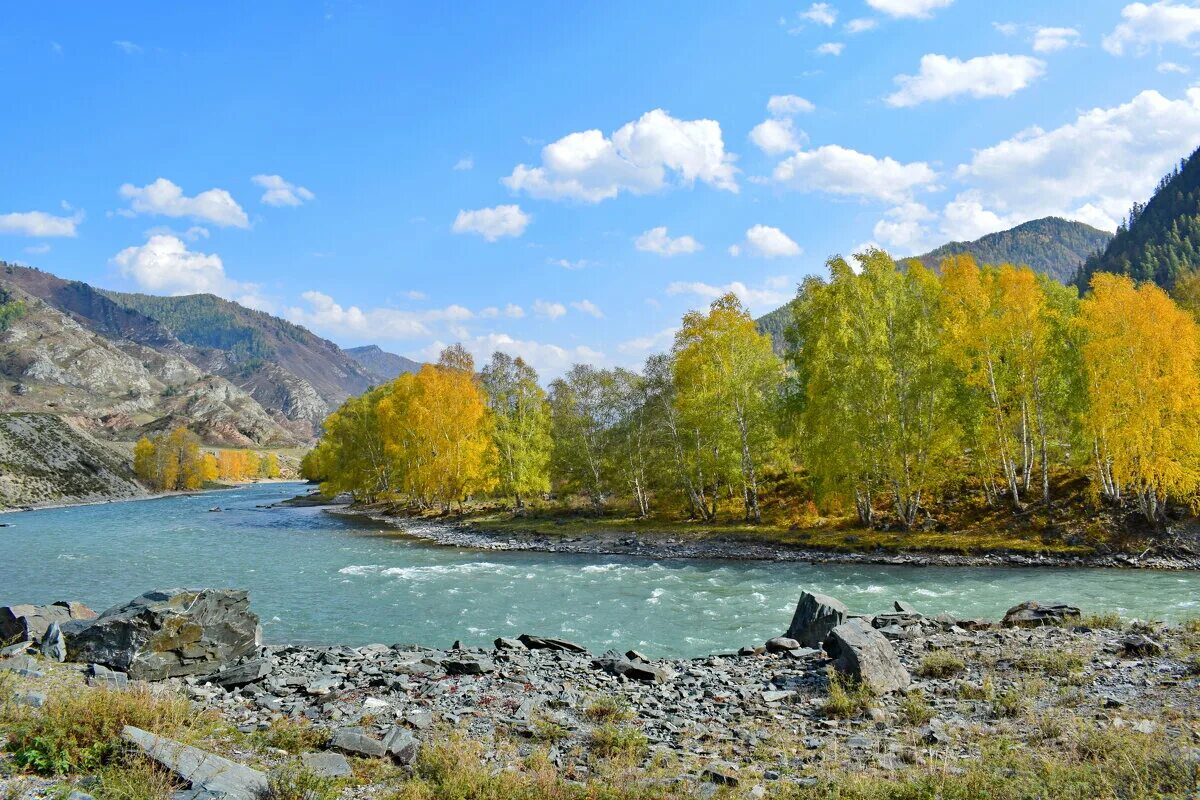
[(847, 697), (941, 664)]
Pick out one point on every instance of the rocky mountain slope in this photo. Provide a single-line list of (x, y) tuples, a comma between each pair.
[(44, 461), (382, 365)]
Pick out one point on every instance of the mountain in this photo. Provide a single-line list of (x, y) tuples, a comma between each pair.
[(1161, 239), (384, 366), (1051, 245)]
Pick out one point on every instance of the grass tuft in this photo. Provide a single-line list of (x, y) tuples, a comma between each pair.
[(612, 741), (941, 664), (847, 697)]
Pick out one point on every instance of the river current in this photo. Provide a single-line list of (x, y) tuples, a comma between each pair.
[(316, 578)]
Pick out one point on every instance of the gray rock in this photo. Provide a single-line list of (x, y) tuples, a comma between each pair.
[(1141, 646), (503, 643), (327, 764), (356, 743), (721, 774), (781, 644), (903, 607), (169, 633), (241, 674), (1035, 614), (29, 622), (204, 771), (24, 665), (469, 666), (863, 652), (816, 615), (31, 699), (550, 643), (100, 675), (777, 696), (401, 745), (54, 644)]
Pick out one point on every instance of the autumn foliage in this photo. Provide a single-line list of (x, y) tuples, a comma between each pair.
[(175, 460)]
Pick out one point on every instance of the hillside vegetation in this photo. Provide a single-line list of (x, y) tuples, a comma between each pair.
[(1160, 240)]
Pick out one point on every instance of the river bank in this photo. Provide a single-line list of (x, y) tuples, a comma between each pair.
[(715, 545), (1105, 706), (215, 487)]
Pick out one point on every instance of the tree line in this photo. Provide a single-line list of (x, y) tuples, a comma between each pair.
[(175, 459), (899, 387)]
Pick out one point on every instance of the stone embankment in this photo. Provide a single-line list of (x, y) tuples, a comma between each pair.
[(877, 692)]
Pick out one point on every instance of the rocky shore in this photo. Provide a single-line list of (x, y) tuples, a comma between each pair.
[(717, 547), (881, 694)]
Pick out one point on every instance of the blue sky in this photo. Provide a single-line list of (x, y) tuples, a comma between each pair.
[(563, 181)]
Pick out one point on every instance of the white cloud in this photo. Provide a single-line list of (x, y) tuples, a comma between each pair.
[(965, 218), (1144, 25), (920, 9), (465, 163), (165, 198), (641, 345), (513, 311), (1006, 28), (776, 136), (492, 223), (1170, 66), (589, 308), (830, 49), (164, 264), (820, 13), (658, 241), (39, 223), (768, 242), (549, 310), (1093, 168), (754, 298), (639, 158), (37, 249), (127, 47), (413, 294), (280, 192), (566, 263), (1049, 40), (839, 170), (325, 314), (942, 77), (787, 105), (903, 228), (550, 360), (861, 25)]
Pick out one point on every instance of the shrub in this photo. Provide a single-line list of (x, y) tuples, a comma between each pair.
[(847, 697), (1012, 702), (609, 741), (983, 691), (607, 709), (137, 779), (941, 664)]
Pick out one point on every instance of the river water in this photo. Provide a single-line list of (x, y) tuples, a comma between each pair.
[(316, 578)]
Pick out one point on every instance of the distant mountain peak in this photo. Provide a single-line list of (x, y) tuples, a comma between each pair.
[(381, 364)]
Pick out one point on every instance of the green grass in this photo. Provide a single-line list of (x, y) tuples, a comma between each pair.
[(915, 709), (611, 741), (941, 664), (1108, 620), (291, 736), (608, 709), (1055, 663), (847, 697), (293, 782)]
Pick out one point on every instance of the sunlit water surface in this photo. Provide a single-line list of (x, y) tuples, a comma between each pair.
[(318, 578)]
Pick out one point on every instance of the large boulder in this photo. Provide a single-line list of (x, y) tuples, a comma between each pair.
[(816, 615), (1034, 614), (207, 773), (169, 633), (864, 653), (29, 623)]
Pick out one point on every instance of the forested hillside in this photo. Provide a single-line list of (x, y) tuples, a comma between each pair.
[(1052, 246), (1160, 240)]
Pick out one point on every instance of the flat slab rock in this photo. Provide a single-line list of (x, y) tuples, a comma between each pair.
[(1034, 614), (205, 771)]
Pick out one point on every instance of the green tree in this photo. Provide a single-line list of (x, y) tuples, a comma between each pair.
[(521, 426), (579, 425)]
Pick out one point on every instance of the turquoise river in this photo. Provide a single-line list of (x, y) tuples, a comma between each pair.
[(319, 578)]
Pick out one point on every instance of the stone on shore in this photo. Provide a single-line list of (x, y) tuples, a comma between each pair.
[(206, 772), (327, 764), (782, 644), (247, 672), (29, 623), (864, 653), (54, 644), (550, 643), (401, 745), (1034, 614), (816, 615), (353, 741), (169, 633)]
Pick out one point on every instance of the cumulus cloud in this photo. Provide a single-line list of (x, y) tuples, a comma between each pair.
[(548, 310), (766, 297), (861, 25), (165, 264), (641, 345), (839, 170), (40, 223), (1170, 66), (325, 314), (1049, 40), (1039, 172), (550, 360), (830, 49), (566, 263), (820, 13), (640, 157), (492, 223), (903, 228), (463, 164), (942, 77), (658, 241), (1145, 25), (768, 242), (166, 199), (787, 105), (776, 136), (280, 192), (589, 308), (919, 9)]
